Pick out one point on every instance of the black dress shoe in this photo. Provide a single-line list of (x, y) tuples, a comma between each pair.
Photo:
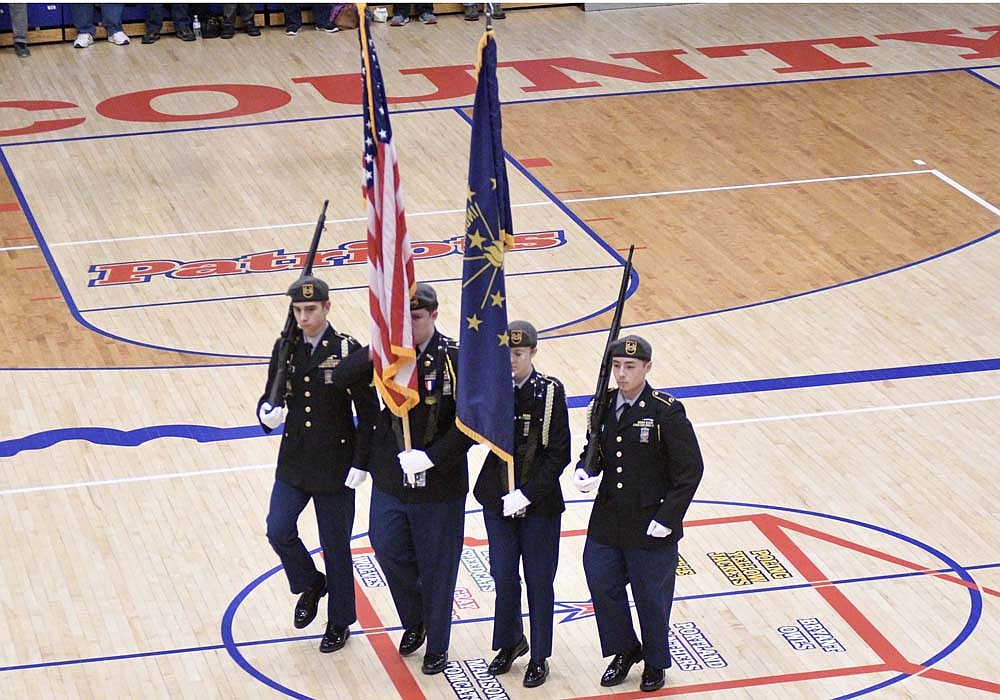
[(505, 657), (305, 609), (413, 637), (434, 663), (335, 638), (536, 673), (652, 679), (150, 37), (619, 667)]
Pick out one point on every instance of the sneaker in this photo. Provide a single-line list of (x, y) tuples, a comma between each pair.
[(183, 33), (83, 41), (292, 31), (228, 30), (119, 38), (498, 13), (251, 28), (471, 13), (328, 30), (150, 37), (21, 49), (398, 21), (428, 18)]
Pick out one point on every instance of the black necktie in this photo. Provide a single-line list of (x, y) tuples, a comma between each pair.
[(309, 349), (622, 410)]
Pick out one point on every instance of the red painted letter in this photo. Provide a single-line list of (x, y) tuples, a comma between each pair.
[(207, 268), (129, 273), (137, 106), (41, 125), (449, 82), (801, 56), (984, 48), (545, 73)]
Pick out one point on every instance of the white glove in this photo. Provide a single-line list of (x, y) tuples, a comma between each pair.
[(513, 502), (355, 478), (414, 462), (656, 529), (271, 416), (583, 481)]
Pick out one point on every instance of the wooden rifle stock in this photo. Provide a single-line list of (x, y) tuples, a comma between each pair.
[(599, 407), (289, 336)]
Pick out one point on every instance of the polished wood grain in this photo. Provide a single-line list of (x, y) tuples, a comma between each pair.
[(787, 239)]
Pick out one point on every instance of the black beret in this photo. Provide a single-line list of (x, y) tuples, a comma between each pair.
[(309, 288), (424, 298), (633, 347), (522, 334)]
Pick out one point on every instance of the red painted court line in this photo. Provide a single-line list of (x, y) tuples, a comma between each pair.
[(385, 649), (33, 267), (19, 238), (883, 556), (9, 206), (746, 682), (535, 162), (772, 528), (958, 679), (567, 191), (44, 298), (600, 218)]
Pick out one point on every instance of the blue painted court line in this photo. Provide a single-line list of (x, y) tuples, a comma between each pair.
[(817, 380), (201, 433)]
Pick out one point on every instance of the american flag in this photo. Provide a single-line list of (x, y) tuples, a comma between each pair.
[(391, 279)]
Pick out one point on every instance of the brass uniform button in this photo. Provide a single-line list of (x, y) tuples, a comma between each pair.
[(618, 453), (308, 394), (619, 484), (309, 409), (309, 424), (619, 470), (305, 379), (618, 439)]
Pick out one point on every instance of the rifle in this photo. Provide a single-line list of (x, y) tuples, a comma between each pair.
[(289, 337), (600, 408)]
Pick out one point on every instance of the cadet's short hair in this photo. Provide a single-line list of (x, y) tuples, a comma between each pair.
[(309, 288), (522, 334), (632, 347), (424, 298)]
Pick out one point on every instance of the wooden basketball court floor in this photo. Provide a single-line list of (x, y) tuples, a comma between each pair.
[(813, 194)]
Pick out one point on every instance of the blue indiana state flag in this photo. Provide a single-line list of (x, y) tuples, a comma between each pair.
[(485, 387)]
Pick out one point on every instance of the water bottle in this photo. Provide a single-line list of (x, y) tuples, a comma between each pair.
[(196, 26)]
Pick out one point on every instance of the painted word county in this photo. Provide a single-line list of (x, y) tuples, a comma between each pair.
[(661, 67)]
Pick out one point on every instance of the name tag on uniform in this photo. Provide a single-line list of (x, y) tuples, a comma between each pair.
[(330, 363), (644, 423)]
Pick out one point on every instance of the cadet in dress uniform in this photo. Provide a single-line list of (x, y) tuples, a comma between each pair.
[(523, 519), (651, 466), (417, 517), (319, 445)]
